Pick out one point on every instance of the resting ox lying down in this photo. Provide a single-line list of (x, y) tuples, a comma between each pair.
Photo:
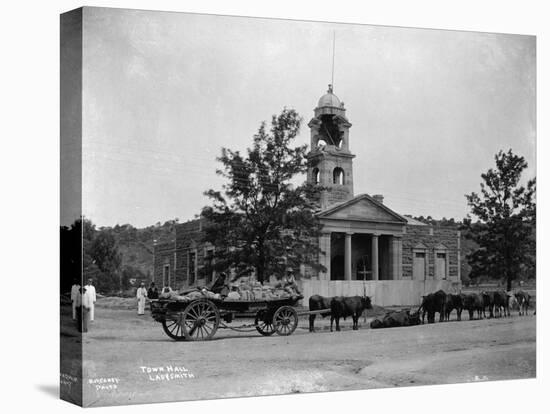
[(396, 318)]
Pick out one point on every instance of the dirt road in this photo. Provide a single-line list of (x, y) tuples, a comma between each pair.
[(128, 359)]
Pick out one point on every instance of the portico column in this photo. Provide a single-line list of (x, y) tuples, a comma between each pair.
[(375, 257), (347, 257), (400, 257), (325, 258)]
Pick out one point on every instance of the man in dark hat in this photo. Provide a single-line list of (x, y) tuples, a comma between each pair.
[(220, 285), (153, 292)]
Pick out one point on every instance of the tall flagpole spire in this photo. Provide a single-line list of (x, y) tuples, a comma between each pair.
[(333, 52)]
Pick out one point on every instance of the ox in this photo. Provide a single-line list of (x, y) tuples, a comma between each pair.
[(473, 303), (396, 318), (502, 303), (523, 301), (317, 302), (453, 301), (488, 302), (432, 303), (512, 301), (342, 307)]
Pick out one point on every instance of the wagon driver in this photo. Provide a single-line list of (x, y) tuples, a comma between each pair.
[(290, 281)]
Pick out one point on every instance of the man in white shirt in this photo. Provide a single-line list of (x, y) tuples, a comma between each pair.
[(82, 304), (74, 293), (141, 296), (91, 297)]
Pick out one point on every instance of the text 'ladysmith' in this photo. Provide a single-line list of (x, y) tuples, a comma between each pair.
[(166, 373)]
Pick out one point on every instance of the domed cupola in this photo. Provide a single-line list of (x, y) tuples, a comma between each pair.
[(330, 104)]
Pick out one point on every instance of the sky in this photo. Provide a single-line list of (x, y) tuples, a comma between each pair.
[(164, 92)]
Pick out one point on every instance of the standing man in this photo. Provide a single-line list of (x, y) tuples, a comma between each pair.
[(75, 291), (82, 303), (141, 296), (90, 292), (153, 292)]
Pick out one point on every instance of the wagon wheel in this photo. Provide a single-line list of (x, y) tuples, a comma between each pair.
[(263, 323), (173, 327), (285, 320), (200, 320)]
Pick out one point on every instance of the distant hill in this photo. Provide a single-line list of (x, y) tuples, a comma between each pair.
[(136, 245)]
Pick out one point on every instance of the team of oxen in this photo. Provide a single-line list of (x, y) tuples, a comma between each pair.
[(478, 305)]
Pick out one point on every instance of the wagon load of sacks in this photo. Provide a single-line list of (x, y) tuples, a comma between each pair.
[(244, 291), (254, 290)]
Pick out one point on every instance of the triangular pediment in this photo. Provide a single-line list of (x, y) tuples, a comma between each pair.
[(362, 208)]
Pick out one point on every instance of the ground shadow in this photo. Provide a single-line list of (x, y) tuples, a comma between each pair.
[(49, 389)]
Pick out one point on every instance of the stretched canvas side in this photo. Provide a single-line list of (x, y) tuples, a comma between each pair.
[(71, 205)]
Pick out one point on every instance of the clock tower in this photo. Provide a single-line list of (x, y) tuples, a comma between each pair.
[(330, 162)]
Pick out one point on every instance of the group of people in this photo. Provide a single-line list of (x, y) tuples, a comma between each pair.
[(83, 300)]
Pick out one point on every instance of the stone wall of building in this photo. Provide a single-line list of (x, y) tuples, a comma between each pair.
[(188, 240), (433, 239), (176, 254), (163, 256)]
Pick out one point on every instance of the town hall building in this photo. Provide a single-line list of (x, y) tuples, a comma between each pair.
[(368, 248)]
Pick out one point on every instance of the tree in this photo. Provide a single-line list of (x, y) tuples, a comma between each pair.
[(74, 251), (505, 230), (105, 255), (259, 221), (87, 252)]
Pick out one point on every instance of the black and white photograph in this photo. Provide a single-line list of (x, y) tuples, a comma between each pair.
[(254, 207), (275, 207)]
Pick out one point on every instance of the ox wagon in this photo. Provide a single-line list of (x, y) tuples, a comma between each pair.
[(199, 319)]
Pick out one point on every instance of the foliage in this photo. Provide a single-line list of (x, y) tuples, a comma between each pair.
[(260, 222), (96, 253), (444, 222), (505, 230)]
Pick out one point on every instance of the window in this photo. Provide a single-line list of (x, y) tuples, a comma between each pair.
[(166, 275), (441, 266), (316, 175), (338, 176), (209, 265), (191, 268), (419, 266)]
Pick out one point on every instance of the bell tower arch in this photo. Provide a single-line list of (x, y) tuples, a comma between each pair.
[(330, 162)]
